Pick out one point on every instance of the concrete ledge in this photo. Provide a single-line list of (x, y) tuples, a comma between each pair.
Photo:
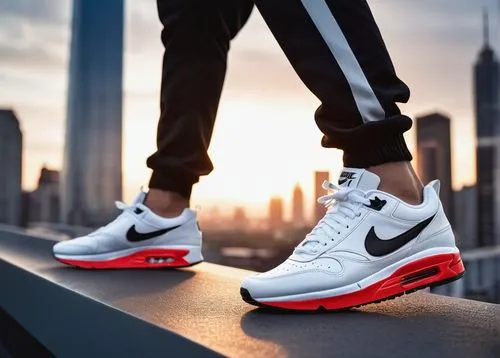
[(198, 312)]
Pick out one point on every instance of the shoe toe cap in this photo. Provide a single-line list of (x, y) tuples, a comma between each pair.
[(262, 287), (249, 284), (273, 286), (72, 248)]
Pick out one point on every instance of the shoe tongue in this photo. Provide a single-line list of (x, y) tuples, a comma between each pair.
[(359, 179)]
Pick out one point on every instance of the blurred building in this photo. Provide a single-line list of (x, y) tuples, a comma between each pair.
[(240, 220), (486, 102), (465, 225), (11, 162), (25, 208), (434, 155), (481, 280), (298, 207), (276, 213), (92, 174), (319, 209), (211, 219), (44, 201)]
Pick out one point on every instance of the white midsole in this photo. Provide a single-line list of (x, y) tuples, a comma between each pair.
[(357, 286), (193, 256)]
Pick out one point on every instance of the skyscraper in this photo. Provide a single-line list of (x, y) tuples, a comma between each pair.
[(45, 200), (319, 209), (11, 162), (486, 101), (434, 155), (275, 213), (92, 174), (298, 207), (466, 217)]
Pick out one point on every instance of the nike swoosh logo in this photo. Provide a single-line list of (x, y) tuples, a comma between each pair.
[(342, 181), (134, 236), (378, 247)]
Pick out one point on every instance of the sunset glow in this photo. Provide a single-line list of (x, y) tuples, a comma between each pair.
[(265, 140)]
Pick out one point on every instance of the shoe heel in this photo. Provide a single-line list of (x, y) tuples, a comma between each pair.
[(430, 271)]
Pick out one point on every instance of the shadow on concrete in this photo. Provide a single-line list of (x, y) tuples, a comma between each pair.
[(112, 285), (384, 330)]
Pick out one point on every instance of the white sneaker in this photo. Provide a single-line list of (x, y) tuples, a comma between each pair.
[(138, 238), (368, 247)]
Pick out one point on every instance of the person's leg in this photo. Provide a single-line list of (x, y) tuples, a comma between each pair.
[(161, 230), (196, 37), (371, 244), (337, 50)]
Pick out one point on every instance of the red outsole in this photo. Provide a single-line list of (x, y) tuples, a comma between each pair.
[(444, 267), (135, 260)]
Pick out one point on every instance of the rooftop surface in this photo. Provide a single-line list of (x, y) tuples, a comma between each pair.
[(203, 304)]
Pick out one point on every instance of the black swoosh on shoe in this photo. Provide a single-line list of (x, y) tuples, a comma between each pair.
[(134, 236), (378, 247)]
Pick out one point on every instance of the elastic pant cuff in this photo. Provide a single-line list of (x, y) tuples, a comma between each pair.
[(180, 184), (372, 143), (390, 150)]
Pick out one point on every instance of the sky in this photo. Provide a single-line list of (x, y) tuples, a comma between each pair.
[(433, 43)]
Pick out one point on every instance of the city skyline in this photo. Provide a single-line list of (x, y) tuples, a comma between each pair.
[(276, 96)]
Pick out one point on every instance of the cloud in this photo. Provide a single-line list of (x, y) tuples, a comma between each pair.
[(33, 36), (35, 58), (53, 11), (143, 28)]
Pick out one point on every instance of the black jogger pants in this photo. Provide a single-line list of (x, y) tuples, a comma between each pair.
[(334, 46)]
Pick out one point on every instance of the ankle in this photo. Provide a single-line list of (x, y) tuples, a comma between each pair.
[(400, 180), (166, 204)]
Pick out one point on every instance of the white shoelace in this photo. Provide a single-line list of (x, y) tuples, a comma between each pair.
[(344, 205), (120, 205), (125, 208)]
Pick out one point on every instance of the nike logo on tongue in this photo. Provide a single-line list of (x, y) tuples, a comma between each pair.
[(358, 178), (347, 177)]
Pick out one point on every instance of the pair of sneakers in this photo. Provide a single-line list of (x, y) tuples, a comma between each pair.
[(369, 246)]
